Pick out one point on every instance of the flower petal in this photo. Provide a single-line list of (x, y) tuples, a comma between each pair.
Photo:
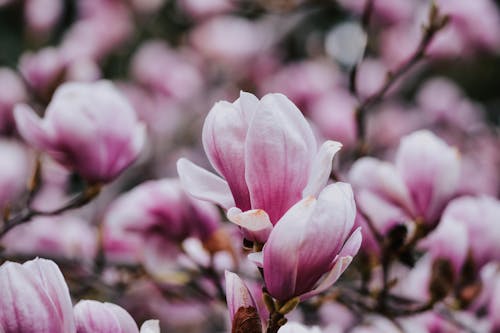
[(321, 168), (281, 252), (204, 185), (255, 221), (150, 326), (430, 169), (30, 127), (224, 134), (279, 149)]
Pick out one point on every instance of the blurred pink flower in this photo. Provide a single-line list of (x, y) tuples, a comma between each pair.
[(42, 70), (96, 317), (34, 298), (88, 127), (201, 8), (443, 102), (14, 171), (479, 215), (155, 211), (421, 182), (312, 244), (154, 59), (12, 91), (334, 115), (42, 15), (303, 82), (268, 156), (229, 40)]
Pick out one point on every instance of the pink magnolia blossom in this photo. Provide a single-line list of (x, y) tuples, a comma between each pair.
[(420, 183), (12, 91), (268, 156), (312, 244), (479, 215), (97, 317), (156, 211), (88, 127), (34, 298)]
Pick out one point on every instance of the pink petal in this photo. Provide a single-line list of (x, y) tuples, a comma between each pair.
[(281, 252), (279, 149), (204, 185), (30, 127), (383, 179), (224, 134), (430, 169), (256, 222), (321, 168), (237, 294)]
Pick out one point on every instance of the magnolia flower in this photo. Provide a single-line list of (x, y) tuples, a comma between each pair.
[(479, 216), (418, 185), (298, 328), (311, 245), (88, 127), (267, 154), (156, 212), (34, 298), (97, 317)]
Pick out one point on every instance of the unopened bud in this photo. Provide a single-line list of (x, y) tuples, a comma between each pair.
[(246, 320)]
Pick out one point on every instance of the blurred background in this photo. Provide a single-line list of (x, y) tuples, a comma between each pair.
[(174, 59)]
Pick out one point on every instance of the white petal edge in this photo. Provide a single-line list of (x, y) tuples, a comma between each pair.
[(203, 184), (255, 221), (321, 168), (151, 326)]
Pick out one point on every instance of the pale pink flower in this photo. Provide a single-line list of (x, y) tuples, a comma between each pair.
[(334, 116), (312, 244), (34, 298), (420, 183), (88, 127), (268, 156), (156, 212)]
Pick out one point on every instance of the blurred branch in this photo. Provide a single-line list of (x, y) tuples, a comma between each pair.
[(435, 24), (27, 212)]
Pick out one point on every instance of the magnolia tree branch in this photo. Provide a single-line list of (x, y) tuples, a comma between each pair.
[(26, 213), (435, 24)]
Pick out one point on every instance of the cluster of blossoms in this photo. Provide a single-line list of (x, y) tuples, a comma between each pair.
[(363, 197)]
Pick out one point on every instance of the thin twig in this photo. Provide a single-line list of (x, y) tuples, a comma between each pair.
[(436, 23)]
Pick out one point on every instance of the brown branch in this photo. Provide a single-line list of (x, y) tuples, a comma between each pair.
[(27, 213), (435, 24)]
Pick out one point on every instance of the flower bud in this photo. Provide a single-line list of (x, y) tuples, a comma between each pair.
[(312, 242), (88, 127), (34, 298)]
